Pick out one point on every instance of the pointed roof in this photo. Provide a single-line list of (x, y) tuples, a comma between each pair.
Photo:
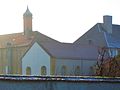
[(100, 37), (27, 13), (19, 39), (70, 51)]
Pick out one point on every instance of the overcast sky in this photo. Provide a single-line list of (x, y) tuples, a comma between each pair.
[(63, 20)]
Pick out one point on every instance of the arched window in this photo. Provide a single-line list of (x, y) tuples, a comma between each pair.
[(28, 71), (64, 70), (43, 70), (77, 71)]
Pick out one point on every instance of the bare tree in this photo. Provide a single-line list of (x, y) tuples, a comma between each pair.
[(107, 66), (100, 62)]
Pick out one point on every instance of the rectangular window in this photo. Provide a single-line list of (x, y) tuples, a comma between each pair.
[(113, 52)]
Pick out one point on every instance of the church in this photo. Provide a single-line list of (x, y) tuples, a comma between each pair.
[(33, 53)]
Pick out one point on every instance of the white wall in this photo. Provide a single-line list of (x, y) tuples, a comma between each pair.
[(71, 64), (86, 66), (35, 58)]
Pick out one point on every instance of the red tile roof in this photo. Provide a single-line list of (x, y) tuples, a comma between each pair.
[(16, 39)]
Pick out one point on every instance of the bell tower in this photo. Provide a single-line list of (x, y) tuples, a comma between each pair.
[(27, 21)]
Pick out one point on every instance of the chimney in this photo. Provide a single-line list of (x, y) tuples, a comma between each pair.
[(107, 22)]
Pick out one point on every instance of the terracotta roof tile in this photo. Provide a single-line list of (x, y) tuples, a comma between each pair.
[(17, 39)]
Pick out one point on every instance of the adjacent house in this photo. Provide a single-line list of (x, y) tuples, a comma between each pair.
[(102, 35)]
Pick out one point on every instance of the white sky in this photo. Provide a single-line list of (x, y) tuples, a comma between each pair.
[(63, 20)]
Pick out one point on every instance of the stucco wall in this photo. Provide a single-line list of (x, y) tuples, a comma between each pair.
[(16, 55), (86, 67), (71, 64), (35, 58)]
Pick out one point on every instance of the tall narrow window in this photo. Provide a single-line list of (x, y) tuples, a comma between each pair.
[(28, 71), (77, 71), (43, 70), (6, 70), (64, 70)]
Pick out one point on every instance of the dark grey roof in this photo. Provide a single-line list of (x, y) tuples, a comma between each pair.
[(112, 41), (100, 36), (69, 51), (94, 34), (65, 50), (43, 38)]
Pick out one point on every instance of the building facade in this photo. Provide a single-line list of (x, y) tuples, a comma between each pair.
[(41, 60)]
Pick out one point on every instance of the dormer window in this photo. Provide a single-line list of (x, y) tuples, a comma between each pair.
[(90, 42)]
